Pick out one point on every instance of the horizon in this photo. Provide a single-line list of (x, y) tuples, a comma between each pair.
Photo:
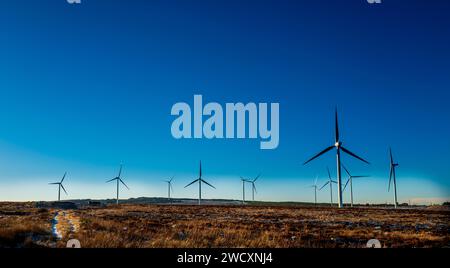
[(85, 87)]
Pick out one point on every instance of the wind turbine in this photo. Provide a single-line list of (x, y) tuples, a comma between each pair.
[(117, 179), (339, 147), (315, 191), (350, 179), (200, 180), (392, 176), (254, 186), (243, 189), (329, 182), (170, 188), (60, 186)]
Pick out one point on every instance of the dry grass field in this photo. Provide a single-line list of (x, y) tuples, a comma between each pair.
[(166, 226)]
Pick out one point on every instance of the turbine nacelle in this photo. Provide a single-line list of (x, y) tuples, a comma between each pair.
[(338, 144)]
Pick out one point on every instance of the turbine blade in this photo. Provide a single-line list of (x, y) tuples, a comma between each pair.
[(329, 175), (54, 183), (111, 180), (63, 177), (354, 155), (390, 178), (124, 184), (346, 184), (390, 154), (326, 183), (348, 173), (257, 177), (120, 170), (200, 168), (63, 188), (254, 188), (336, 126), (171, 188), (207, 183), (319, 154), (191, 183)]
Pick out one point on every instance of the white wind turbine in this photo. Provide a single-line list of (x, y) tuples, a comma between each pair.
[(338, 146), (118, 179), (315, 186), (200, 180), (329, 182), (254, 186), (392, 177), (60, 186), (350, 180), (169, 188), (243, 189)]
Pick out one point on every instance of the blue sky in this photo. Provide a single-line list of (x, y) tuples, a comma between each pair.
[(84, 87)]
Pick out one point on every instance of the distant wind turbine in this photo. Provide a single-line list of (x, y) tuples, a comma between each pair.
[(315, 190), (329, 182), (243, 189), (350, 179), (117, 179), (392, 177), (339, 147), (60, 186), (200, 180), (170, 188), (254, 186)]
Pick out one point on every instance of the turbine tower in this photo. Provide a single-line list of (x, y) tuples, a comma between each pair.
[(170, 188), (392, 177), (118, 179), (350, 179), (200, 180), (329, 182), (60, 186), (339, 147)]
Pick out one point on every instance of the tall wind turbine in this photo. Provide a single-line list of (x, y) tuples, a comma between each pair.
[(170, 188), (339, 147), (350, 179), (329, 182), (60, 186), (315, 191), (200, 180), (254, 186), (392, 177), (118, 179)]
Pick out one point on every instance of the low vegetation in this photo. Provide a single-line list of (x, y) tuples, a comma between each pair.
[(166, 226)]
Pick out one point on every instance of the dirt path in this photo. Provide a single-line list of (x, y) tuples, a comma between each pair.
[(65, 223)]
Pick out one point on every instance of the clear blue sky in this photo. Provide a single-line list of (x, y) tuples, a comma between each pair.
[(84, 87)]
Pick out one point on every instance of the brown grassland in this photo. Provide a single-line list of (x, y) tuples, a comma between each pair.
[(183, 226)]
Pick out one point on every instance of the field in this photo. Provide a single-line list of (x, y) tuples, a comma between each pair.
[(167, 226)]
